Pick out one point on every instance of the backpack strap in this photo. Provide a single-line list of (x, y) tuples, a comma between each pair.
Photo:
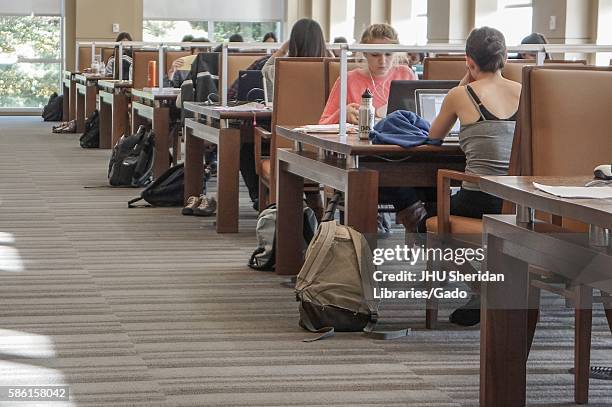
[(131, 203), (368, 291)]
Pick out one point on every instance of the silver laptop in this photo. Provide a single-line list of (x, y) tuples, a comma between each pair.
[(428, 105)]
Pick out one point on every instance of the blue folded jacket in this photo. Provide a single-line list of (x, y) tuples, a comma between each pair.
[(402, 128)]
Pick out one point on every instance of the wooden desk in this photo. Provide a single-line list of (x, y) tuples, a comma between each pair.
[(114, 99), (357, 169), (512, 244), (69, 92), (227, 139), (155, 108), (86, 92)]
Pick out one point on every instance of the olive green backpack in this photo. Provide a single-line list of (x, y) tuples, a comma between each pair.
[(335, 285)]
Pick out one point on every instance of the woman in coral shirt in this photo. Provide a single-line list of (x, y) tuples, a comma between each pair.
[(376, 76)]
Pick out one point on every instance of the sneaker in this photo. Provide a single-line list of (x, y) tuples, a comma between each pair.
[(207, 207), (192, 203), (69, 128), (468, 314)]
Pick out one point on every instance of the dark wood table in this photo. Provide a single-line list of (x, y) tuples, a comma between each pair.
[(69, 92), (227, 139), (114, 101), (357, 168), (86, 97), (513, 244), (154, 108)]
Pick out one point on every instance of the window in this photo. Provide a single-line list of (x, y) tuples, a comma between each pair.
[(249, 31), (419, 11), (343, 21), (173, 31), (216, 20), (604, 32), (512, 17), (410, 20), (30, 60)]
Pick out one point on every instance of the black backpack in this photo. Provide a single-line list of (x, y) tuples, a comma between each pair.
[(167, 190), (91, 136), (53, 110), (131, 162)]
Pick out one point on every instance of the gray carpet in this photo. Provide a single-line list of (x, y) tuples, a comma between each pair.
[(145, 307)]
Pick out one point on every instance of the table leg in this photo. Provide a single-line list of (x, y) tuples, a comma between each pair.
[(582, 342), (289, 224), (194, 164), (361, 203), (161, 121), (72, 102), (106, 118), (80, 112), (120, 117), (503, 330), (228, 162), (65, 103), (91, 93)]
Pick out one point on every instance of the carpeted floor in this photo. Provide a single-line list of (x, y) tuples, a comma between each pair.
[(145, 307)]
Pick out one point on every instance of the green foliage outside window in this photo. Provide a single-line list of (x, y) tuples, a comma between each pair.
[(249, 31), (28, 84)]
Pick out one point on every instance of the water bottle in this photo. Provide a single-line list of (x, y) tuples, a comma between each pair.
[(366, 115)]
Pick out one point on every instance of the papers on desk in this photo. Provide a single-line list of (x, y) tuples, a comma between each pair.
[(603, 192), (163, 91), (326, 128), (245, 107)]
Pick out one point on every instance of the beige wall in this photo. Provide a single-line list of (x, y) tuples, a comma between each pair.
[(576, 20), (92, 20), (449, 21)]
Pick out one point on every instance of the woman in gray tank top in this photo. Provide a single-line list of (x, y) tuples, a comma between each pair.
[(485, 103)]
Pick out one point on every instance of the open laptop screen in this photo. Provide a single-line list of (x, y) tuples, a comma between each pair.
[(429, 103)]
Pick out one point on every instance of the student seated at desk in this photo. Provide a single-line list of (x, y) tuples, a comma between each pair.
[(269, 37), (533, 38), (486, 104), (306, 40), (377, 75), (126, 58), (181, 67)]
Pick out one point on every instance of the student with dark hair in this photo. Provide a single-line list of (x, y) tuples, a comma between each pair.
[(533, 38), (269, 37), (126, 58), (339, 40), (306, 40), (232, 38), (486, 104), (236, 38)]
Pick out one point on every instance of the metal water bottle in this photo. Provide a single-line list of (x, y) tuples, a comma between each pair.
[(366, 115)]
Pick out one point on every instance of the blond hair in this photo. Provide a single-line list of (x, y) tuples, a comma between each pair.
[(379, 32)]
